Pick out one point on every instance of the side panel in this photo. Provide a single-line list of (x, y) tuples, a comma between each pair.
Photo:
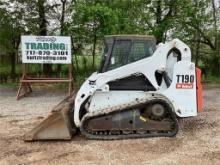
[(105, 100), (182, 91)]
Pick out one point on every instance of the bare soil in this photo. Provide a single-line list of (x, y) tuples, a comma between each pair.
[(198, 140)]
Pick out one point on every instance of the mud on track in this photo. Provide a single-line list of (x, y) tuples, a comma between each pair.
[(198, 141)]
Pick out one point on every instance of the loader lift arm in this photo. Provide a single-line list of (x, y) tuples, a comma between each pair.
[(146, 66)]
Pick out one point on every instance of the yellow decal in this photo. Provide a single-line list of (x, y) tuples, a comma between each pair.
[(143, 119)]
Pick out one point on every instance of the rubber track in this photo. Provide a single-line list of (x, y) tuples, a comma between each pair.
[(131, 136)]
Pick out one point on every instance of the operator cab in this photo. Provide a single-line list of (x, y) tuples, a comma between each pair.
[(120, 50)]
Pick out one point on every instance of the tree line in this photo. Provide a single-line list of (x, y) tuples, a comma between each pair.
[(196, 22)]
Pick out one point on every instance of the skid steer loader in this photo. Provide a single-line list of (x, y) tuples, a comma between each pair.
[(140, 91)]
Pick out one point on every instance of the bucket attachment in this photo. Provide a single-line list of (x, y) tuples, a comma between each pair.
[(57, 126)]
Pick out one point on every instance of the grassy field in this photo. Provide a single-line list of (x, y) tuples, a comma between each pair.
[(82, 68), (211, 79)]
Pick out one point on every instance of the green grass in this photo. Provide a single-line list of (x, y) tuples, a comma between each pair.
[(82, 69), (10, 85), (211, 79)]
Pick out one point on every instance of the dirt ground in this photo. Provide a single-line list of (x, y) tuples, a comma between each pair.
[(198, 141)]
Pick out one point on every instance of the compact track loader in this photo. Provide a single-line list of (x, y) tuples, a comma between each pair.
[(140, 91)]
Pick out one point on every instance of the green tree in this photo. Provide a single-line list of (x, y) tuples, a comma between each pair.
[(196, 23), (11, 28), (91, 20)]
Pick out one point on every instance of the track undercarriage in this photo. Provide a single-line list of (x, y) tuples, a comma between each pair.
[(153, 118)]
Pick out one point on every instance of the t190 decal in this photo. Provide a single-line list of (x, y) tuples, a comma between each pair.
[(185, 81)]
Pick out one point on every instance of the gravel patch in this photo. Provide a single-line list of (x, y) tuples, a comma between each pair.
[(198, 141), (37, 104)]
